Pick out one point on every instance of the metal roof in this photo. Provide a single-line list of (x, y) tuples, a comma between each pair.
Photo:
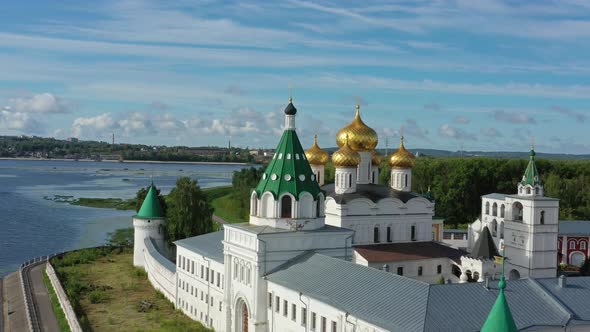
[(381, 298), (574, 227), (484, 247), (407, 251), (209, 245), (495, 196), (465, 307), (574, 296), (374, 192)]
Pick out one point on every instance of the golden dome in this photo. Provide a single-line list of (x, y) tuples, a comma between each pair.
[(376, 158), (402, 158), (346, 156), (315, 155), (360, 136)]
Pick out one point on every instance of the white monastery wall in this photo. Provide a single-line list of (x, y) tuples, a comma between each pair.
[(161, 272)]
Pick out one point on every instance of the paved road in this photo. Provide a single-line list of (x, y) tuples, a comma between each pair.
[(15, 319), (47, 318), (219, 220)]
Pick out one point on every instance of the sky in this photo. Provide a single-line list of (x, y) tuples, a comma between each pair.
[(466, 74)]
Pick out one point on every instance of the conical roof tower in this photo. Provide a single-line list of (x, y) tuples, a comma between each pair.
[(150, 208), (500, 318)]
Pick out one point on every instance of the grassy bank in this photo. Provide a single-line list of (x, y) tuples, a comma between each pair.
[(109, 294), (57, 310), (106, 203), (226, 208)]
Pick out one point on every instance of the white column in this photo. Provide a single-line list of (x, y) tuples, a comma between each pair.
[(364, 168), (290, 122)]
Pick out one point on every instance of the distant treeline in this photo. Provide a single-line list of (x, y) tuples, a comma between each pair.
[(40, 147), (458, 183)]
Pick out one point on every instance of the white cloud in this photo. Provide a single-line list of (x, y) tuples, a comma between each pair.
[(490, 132), (455, 133), (92, 127), (513, 117), (461, 120), (19, 121), (40, 103)]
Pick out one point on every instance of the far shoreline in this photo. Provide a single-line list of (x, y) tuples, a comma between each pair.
[(132, 161)]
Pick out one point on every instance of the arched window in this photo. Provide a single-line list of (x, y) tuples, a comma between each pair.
[(405, 180), (286, 210), (494, 228), (413, 233), (582, 245), (517, 211), (349, 180), (542, 218), (495, 210), (376, 234), (319, 207), (389, 237), (487, 208), (528, 190), (502, 210), (537, 191), (572, 245)]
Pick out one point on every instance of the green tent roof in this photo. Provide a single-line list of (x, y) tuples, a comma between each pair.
[(531, 174), (500, 318), (289, 170), (151, 206)]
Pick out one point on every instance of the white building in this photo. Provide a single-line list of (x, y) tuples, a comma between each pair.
[(350, 256)]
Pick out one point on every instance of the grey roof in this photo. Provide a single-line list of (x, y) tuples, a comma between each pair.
[(465, 307), (381, 298), (153, 251), (484, 247), (374, 192), (495, 196), (209, 245), (574, 297), (272, 230), (574, 227)]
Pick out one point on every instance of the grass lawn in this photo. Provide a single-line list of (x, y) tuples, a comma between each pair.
[(225, 208), (59, 313), (107, 291), (107, 203)]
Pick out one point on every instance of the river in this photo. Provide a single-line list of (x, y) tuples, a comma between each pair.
[(32, 223)]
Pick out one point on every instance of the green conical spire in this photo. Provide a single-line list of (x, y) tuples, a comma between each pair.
[(531, 175), (151, 206), (500, 318)]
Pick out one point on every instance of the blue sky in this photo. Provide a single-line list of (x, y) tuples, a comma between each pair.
[(482, 75)]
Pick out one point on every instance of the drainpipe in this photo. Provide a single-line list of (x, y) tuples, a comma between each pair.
[(351, 323), (208, 280), (306, 310)]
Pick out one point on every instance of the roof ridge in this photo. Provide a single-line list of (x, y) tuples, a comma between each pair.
[(290, 261), (544, 291)]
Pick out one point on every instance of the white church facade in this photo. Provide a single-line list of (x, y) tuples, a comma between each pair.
[(350, 256)]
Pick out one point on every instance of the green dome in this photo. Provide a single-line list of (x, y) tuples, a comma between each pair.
[(150, 209), (500, 317)]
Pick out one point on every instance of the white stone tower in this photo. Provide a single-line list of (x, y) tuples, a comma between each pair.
[(317, 159), (530, 228), (286, 220), (401, 162), (149, 223)]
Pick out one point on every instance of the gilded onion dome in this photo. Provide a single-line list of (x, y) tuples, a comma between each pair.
[(376, 158), (402, 158), (346, 156), (315, 155), (360, 136)]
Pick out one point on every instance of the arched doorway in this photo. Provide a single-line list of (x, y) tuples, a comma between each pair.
[(577, 258), (286, 207), (242, 316), (513, 275)]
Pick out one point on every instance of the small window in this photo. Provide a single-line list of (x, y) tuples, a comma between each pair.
[(277, 304), (218, 279), (313, 321), (413, 233), (334, 326), (542, 218), (389, 239), (582, 245), (293, 312), (439, 269), (324, 322), (572, 245), (285, 307), (202, 271), (303, 316), (270, 300), (349, 180), (212, 276), (528, 190), (376, 234), (400, 271), (487, 208), (419, 270), (207, 275), (220, 305)]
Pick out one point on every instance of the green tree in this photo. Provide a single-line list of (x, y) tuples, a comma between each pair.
[(585, 268), (140, 197), (243, 182), (190, 212)]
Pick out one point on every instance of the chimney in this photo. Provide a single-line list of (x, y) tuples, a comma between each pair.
[(386, 268), (562, 281), (487, 285)]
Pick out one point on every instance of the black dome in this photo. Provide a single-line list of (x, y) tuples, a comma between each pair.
[(290, 109)]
